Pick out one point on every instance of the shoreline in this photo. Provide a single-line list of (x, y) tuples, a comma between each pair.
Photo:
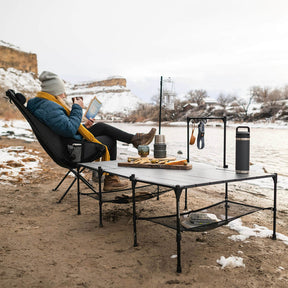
[(211, 123), (229, 124)]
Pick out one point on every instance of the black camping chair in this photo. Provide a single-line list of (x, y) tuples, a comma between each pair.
[(59, 148)]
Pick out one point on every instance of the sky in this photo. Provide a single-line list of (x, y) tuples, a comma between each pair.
[(222, 46)]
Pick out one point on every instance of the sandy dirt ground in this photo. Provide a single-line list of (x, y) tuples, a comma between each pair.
[(46, 244)]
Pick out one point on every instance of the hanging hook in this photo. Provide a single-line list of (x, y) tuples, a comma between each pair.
[(200, 137)]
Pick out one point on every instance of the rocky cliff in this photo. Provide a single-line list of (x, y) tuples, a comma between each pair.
[(112, 81), (115, 96), (12, 56), (18, 71)]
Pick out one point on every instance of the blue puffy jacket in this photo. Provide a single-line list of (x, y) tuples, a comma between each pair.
[(55, 117)]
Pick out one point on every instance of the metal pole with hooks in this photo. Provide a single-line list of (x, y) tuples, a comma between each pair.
[(160, 103), (198, 119)]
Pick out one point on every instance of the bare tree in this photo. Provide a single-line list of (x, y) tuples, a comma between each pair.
[(274, 96), (285, 92), (261, 95), (197, 96), (244, 104), (224, 100), (266, 95)]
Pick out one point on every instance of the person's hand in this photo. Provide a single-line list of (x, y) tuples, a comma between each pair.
[(79, 101), (89, 123)]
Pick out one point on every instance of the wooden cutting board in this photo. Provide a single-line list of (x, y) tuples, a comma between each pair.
[(158, 166)]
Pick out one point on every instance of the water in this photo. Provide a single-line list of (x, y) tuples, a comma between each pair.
[(268, 147)]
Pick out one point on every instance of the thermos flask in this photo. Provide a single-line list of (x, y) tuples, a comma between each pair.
[(159, 146), (242, 158)]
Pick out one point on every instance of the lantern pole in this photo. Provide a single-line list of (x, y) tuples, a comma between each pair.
[(160, 104)]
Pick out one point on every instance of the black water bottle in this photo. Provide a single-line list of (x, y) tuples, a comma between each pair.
[(242, 149)]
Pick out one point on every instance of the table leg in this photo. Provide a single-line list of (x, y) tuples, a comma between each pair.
[(133, 182), (185, 207), (226, 199), (274, 208), (178, 192), (100, 173)]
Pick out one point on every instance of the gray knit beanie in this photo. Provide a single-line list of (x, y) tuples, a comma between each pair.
[(51, 83)]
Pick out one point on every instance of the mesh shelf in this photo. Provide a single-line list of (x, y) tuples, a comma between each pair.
[(234, 210), (143, 192)]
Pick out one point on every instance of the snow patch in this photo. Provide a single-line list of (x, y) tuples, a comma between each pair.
[(17, 129), (19, 81), (16, 162), (258, 231), (115, 99), (230, 262)]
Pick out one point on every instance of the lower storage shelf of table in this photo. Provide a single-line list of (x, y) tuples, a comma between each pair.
[(124, 196), (223, 212)]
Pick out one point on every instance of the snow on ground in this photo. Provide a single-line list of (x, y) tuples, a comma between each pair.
[(16, 162), (16, 129), (244, 234), (258, 231), (267, 124), (113, 98), (230, 262), (12, 46), (19, 81)]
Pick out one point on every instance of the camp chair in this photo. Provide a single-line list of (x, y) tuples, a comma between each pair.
[(57, 147)]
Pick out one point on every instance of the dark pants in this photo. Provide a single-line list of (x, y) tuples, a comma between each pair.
[(108, 135)]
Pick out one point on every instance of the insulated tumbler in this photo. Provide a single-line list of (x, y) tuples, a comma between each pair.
[(242, 157), (159, 147)]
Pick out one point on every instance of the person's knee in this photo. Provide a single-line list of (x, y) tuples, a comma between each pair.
[(100, 125), (108, 141)]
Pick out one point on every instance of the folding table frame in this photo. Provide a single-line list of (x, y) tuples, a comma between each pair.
[(200, 175)]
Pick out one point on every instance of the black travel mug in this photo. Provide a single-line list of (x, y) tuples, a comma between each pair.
[(242, 157), (159, 146)]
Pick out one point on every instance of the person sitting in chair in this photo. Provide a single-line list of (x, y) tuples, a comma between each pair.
[(49, 107)]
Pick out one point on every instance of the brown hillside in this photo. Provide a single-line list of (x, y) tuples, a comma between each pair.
[(23, 61)]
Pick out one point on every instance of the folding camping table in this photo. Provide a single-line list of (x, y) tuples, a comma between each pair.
[(181, 180)]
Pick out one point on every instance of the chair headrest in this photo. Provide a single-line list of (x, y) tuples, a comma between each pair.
[(21, 98)]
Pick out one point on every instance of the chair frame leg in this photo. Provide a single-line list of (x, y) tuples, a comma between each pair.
[(78, 190), (72, 183), (59, 184), (68, 189)]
